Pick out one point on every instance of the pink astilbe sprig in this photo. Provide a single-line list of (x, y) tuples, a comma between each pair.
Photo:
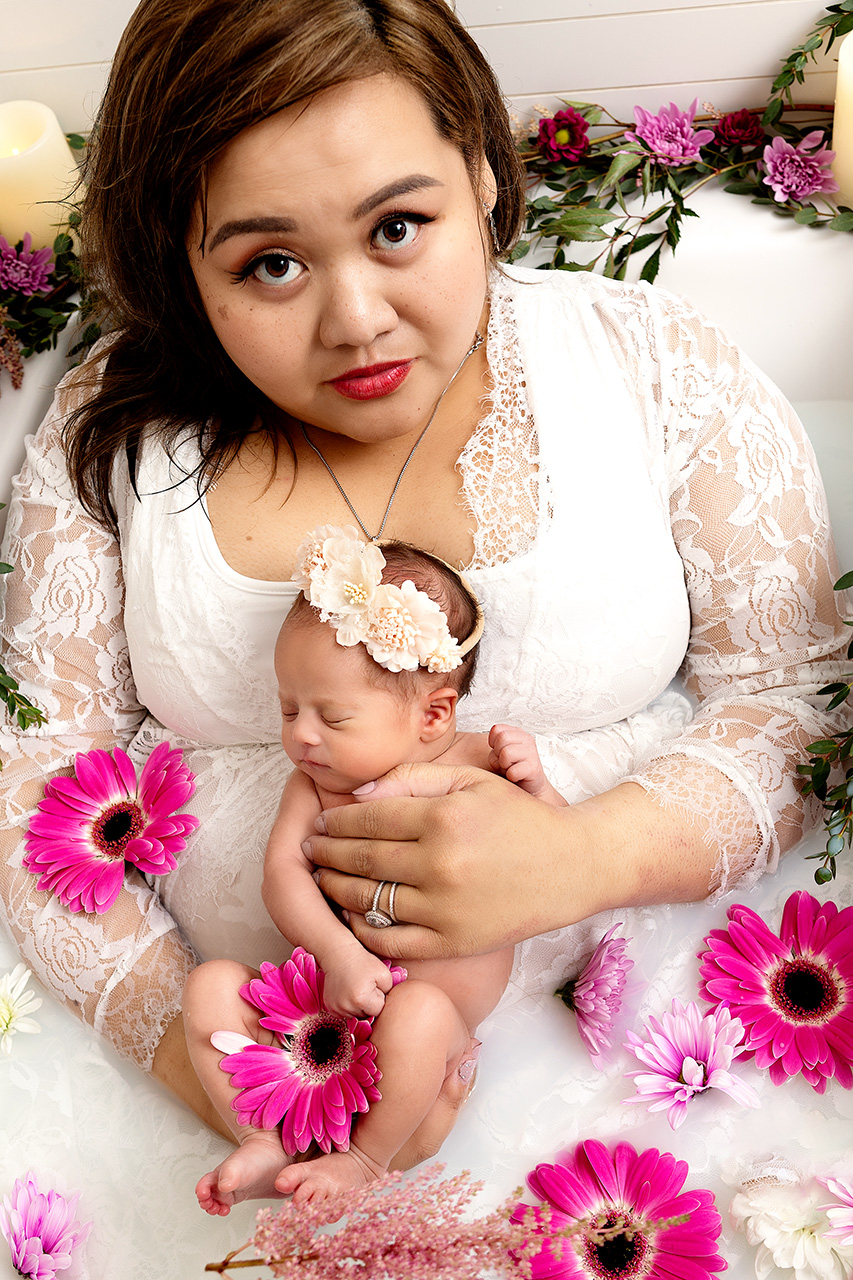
[(595, 994), (87, 827), (41, 1229), (320, 1074), (686, 1053), (401, 1227)]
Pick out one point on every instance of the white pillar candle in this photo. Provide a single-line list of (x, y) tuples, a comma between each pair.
[(37, 169), (842, 124)]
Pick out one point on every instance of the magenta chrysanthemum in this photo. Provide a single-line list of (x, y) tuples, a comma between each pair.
[(626, 1202), (324, 1070), (564, 136), (40, 1229), (797, 172), (670, 134), (792, 992), (26, 270), (686, 1053), (88, 826), (596, 993)]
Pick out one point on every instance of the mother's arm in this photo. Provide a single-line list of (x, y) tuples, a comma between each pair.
[(63, 640), (720, 802)]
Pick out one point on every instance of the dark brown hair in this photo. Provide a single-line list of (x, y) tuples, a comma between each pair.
[(188, 76), (441, 583)]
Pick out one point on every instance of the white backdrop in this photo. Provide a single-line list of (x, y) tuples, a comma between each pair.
[(618, 52)]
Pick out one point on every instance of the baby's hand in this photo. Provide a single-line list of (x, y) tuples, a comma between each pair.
[(356, 983), (514, 754)]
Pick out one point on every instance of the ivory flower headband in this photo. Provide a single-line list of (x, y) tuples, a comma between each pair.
[(402, 628)]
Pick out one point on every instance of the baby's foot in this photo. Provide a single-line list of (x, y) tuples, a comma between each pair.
[(249, 1173), (317, 1179)]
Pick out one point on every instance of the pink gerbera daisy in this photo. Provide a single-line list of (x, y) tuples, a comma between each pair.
[(40, 1229), (596, 993), (320, 1075), (686, 1053), (625, 1201), (88, 826), (792, 992)]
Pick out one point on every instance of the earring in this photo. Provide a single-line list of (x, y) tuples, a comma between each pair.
[(493, 231)]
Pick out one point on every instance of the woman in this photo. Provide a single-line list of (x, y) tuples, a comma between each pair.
[(293, 215)]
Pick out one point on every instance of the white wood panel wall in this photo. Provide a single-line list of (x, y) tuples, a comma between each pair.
[(617, 52)]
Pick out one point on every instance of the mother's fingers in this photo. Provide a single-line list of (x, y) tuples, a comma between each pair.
[(356, 895), (399, 941)]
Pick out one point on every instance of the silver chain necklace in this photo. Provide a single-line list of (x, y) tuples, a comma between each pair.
[(374, 537)]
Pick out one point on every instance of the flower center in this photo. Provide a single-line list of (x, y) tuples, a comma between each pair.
[(116, 827), (561, 137), (804, 991), (355, 592), (626, 1253), (393, 627), (322, 1047)]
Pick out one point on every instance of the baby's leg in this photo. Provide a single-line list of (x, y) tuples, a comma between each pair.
[(421, 1036), (212, 1002), (418, 1033)]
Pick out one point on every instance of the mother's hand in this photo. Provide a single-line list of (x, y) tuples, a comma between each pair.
[(479, 863)]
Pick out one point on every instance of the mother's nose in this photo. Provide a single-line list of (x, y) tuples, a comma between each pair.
[(356, 308)]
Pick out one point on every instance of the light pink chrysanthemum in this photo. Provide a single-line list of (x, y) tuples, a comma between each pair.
[(797, 172), (26, 271), (670, 134), (840, 1211), (631, 1197), (793, 993), (88, 826), (40, 1229), (321, 1074), (596, 993), (686, 1053)]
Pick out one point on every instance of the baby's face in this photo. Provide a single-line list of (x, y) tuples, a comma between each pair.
[(336, 726)]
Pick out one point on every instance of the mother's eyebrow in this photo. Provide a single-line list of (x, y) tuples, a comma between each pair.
[(402, 187), (278, 223)]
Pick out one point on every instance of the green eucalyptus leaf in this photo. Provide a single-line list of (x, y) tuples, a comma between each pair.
[(844, 582), (805, 217), (841, 222)]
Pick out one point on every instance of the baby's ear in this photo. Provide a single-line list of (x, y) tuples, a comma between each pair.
[(438, 709)]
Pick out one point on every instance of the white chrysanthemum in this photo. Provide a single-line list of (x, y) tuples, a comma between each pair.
[(15, 1006), (789, 1228)]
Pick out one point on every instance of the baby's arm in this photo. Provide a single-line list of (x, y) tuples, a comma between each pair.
[(514, 754), (356, 981)]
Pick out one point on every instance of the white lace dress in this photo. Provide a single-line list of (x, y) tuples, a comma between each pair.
[(646, 507)]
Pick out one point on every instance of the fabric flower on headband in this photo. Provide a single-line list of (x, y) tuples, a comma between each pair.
[(401, 627)]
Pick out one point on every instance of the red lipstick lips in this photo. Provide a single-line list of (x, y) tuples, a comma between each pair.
[(374, 381)]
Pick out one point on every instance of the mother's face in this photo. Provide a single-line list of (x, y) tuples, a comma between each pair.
[(343, 267)]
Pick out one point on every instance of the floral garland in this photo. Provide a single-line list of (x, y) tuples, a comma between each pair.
[(40, 291), (664, 159)]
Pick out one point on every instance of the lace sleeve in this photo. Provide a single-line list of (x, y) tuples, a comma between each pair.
[(123, 971), (750, 521)]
